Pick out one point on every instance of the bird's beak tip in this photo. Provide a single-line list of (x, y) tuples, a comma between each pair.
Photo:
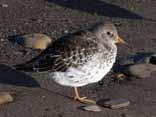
[(120, 40)]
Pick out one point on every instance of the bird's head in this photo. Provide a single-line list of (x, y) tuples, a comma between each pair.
[(107, 32)]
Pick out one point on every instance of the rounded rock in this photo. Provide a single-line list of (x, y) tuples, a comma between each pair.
[(34, 40), (141, 70)]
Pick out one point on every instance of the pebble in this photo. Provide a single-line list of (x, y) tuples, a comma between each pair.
[(141, 70), (66, 32), (93, 108), (43, 97), (37, 41), (4, 5), (2, 40), (6, 97), (114, 104), (34, 41)]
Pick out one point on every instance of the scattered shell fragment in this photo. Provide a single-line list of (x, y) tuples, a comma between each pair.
[(114, 104), (93, 108), (34, 40), (6, 97)]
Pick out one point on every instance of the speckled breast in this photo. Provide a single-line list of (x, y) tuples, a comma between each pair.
[(90, 72)]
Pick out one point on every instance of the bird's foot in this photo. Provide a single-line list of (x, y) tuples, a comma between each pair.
[(84, 100)]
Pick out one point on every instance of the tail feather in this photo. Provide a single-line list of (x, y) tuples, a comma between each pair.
[(32, 68), (23, 67)]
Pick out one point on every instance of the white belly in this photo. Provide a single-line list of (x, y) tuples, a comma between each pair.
[(90, 72)]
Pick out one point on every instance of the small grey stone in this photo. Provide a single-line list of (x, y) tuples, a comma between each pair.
[(4, 5), (93, 108), (141, 70), (115, 104), (2, 40), (66, 32)]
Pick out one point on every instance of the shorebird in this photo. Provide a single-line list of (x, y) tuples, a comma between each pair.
[(78, 59)]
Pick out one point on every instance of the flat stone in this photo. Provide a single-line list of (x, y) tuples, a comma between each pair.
[(6, 97), (141, 70), (114, 104), (93, 108)]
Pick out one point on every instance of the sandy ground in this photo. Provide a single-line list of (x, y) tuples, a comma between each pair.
[(39, 97)]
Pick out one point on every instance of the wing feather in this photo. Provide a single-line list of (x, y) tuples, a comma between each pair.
[(71, 50)]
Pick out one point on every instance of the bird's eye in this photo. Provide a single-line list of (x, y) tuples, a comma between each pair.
[(110, 34)]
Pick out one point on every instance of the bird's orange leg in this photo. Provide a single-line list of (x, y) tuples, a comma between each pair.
[(82, 99)]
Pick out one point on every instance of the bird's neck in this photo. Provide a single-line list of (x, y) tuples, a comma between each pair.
[(108, 45)]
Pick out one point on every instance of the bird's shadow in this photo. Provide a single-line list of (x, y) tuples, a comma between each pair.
[(100, 7), (13, 77), (139, 57), (17, 39)]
